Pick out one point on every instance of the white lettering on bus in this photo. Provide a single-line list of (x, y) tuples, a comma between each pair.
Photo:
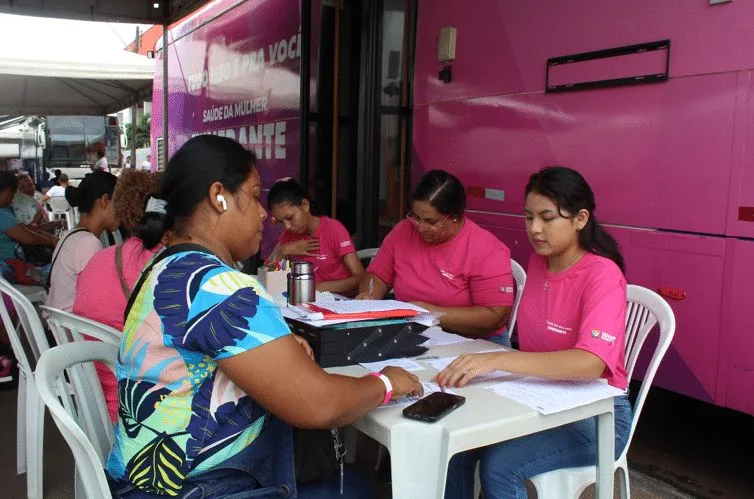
[(267, 139)]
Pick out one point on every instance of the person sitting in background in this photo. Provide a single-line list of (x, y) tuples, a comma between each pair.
[(105, 284), (57, 190), (13, 233), (210, 376), (27, 210), (571, 326), (444, 262), (93, 197), (317, 239)]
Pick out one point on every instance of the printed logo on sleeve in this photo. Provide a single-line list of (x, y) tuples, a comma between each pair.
[(506, 289), (608, 338), (345, 244), (447, 275)]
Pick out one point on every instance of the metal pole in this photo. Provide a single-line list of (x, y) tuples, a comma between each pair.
[(134, 109), (305, 73), (165, 92), (335, 114)]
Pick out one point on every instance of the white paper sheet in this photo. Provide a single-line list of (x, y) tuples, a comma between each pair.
[(429, 387), (548, 396), (404, 363), (437, 337)]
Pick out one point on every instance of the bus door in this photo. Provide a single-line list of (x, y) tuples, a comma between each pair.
[(359, 119)]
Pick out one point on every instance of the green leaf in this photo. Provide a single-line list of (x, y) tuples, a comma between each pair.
[(157, 467)]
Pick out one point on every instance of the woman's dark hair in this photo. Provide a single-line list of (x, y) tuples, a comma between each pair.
[(442, 191), (287, 191), (570, 192), (199, 163), (8, 180), (90, 189)]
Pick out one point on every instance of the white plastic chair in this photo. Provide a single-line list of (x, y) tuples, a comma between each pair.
[(67, 327), (367, 254), (35, 294), (519, 277), (70, 328), (61, 208), (645, 309), (85, 440), (27, 335)]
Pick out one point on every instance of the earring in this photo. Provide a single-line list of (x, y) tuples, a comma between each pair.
[(223, 203)]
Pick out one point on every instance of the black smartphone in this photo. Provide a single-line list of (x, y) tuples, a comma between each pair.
[(433, 406)]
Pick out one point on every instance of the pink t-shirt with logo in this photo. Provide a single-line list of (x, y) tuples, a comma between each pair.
[(334, 243), (100, 297), (473, 268), (583, 307)]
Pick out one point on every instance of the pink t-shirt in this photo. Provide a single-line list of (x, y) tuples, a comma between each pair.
[(583, 307), (99, 296), (473, 268), (70, 257), (334, 243)]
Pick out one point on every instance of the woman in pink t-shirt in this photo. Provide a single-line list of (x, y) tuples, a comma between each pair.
[(104, 285), (444, 262), (317, 239), (571, 326)]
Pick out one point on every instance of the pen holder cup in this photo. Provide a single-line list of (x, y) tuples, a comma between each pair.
[(274, 281)]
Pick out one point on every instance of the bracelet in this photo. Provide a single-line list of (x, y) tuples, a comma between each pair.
[(388, 386)]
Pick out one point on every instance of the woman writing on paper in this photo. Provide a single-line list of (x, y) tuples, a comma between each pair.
[(209, 375), (442, 261), (571, 326), (317, 239)]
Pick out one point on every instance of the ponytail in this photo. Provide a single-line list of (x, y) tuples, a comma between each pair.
[(152, 228), (595, 239)]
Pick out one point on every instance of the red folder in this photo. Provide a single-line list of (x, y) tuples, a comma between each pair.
[(380, 314)]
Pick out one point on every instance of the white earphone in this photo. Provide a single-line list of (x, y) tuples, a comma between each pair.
[(221, 200)]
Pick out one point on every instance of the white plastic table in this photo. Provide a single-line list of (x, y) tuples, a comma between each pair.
[(420, 451)]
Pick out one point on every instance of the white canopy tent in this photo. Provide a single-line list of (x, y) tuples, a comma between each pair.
[(88, 83), (163, 12)]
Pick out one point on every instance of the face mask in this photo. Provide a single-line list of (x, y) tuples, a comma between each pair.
[(445, 233)]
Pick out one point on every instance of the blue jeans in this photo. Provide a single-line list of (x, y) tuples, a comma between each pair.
[(504, 467), (262, 470), (501, 339)]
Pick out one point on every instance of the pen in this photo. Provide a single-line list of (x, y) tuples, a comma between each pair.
[(371, 287)]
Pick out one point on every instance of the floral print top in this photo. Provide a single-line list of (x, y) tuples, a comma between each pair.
[(178, 414)]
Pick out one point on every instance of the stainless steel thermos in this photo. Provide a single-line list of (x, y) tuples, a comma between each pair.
[(301, 283)]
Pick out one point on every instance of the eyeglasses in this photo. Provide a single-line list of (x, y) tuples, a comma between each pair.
[(420, 222)]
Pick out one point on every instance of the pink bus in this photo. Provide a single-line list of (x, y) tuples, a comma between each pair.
[(652, 100)]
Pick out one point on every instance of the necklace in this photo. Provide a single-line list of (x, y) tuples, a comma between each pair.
[(574, 262)]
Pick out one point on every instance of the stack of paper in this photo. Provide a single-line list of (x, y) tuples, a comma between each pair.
[(338, 311), (550, 396)]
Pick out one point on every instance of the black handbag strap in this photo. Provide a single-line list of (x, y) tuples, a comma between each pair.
[(170, 251), (57, 253), (119, 270)]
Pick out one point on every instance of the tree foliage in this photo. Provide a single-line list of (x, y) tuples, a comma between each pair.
[(143, 127)]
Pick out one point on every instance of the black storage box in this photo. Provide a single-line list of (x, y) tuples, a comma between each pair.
[(363, 341)]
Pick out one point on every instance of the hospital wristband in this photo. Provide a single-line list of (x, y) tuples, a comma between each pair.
[(388, 386)]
